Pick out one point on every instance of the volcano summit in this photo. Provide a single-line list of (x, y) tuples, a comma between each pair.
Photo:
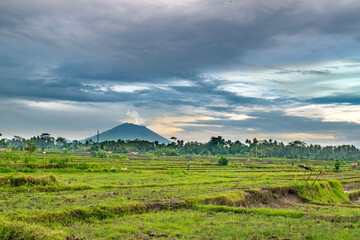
[(129, 131)]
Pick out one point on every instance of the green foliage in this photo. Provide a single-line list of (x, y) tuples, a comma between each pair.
[(65, 151), (11, 156), (167, 152), (6, 170), (337, 165), (231, 165), (31, 147), (323, 192), (28, 158), (11, 169), (206, 162), (97, 192), (119, 156), (61, 162), (53, 159), (215, 146), (100, 154), (223, 161)]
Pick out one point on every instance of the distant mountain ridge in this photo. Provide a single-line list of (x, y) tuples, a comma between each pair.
[(129, 131)]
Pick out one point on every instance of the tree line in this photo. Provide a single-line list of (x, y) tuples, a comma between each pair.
[(215, 146)]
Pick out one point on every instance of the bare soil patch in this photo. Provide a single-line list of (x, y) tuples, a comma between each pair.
[(349, 186), (274, 197)]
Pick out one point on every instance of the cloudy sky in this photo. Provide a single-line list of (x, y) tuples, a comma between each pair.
[(193, 69)]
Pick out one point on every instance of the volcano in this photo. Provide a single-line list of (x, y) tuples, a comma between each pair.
[(129, 131)]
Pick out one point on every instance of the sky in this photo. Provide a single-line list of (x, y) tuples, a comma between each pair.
[(192, 69)]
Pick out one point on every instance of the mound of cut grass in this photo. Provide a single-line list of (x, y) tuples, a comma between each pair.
[(16, 181), (330, 191), (23, 231)]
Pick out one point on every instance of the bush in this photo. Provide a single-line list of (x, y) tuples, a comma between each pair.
[(28, 159), (231, 165), (100, 154), (65, 151), (337, 165), (223, 161), (11, 156)]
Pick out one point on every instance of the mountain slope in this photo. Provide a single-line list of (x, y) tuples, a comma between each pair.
[(129, 131)]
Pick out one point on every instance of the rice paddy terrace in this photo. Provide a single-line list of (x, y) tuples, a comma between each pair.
[(150, 197)]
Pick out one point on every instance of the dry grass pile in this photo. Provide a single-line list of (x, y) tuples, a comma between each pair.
[(16, 181)]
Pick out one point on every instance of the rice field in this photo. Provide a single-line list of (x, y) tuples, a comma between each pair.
[(163, 197)]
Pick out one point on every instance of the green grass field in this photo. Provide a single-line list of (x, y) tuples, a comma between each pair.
[(149, 197)]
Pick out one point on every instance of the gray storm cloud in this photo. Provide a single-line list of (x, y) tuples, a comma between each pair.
[(182, 54)]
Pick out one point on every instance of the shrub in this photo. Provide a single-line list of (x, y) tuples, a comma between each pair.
[(100, 154), (337, 165), (28, 159), (93, 153), (65, 151), (11, 156), (223, 161), (231, 165)]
